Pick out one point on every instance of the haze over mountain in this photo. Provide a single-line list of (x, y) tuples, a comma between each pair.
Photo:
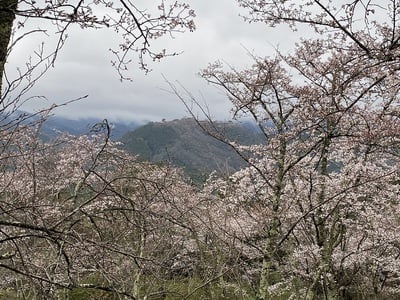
[(55, 125)]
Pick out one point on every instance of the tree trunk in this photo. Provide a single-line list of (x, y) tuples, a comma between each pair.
[(268, 272), (269, 275), (7, 16)]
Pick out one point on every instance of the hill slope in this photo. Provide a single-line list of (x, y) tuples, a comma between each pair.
[(185, 144)]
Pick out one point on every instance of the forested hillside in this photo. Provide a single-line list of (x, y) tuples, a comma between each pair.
[(184, 144)]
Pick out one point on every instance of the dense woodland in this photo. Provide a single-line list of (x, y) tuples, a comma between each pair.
[(312, 214)]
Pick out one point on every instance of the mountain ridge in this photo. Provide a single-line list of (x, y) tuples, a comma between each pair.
[(183, 143)]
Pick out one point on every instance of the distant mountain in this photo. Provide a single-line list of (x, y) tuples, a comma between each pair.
[(55, 125), (179, 142), (184, 144)]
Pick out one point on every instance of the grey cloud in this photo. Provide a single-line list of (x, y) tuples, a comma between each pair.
[(83, 67)]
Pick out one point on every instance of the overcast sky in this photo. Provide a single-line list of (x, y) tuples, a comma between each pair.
[(83, 67)]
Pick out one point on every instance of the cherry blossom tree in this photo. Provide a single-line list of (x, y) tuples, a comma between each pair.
[(313, 216), (77, 213), (312, 202), (80, 214), (310, 210)]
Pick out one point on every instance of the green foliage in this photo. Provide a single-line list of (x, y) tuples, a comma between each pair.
[(86, 294), (189, 288), (193, 288), (10, 294)]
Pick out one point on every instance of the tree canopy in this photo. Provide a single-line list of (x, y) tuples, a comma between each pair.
[(312, 215)]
